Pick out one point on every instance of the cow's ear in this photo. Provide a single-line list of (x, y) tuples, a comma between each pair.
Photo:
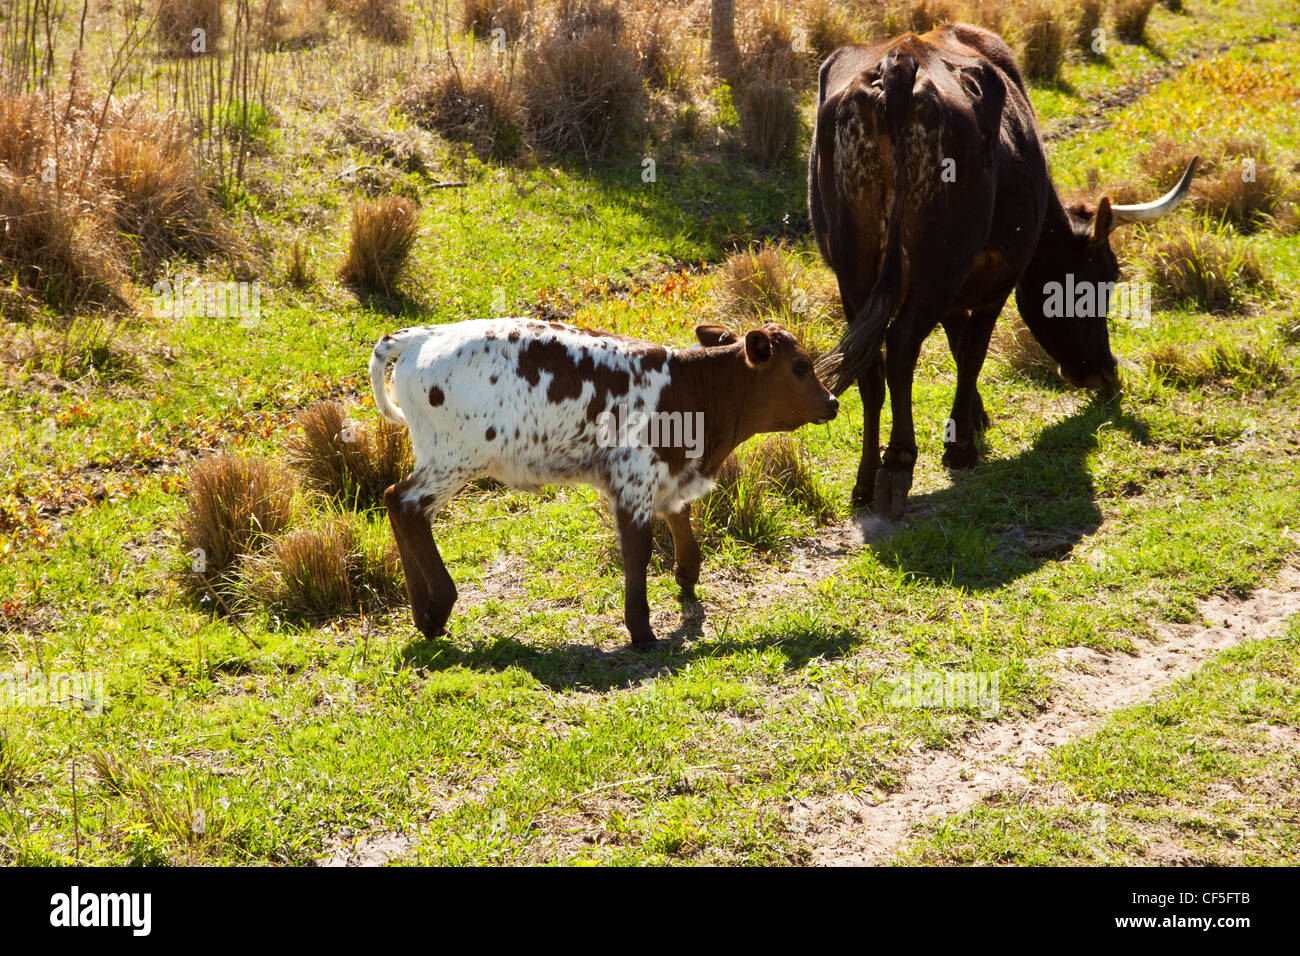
[(758, 347), (1102, 222), (711, 335)]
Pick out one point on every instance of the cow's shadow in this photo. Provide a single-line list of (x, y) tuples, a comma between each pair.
[(1009, 516)]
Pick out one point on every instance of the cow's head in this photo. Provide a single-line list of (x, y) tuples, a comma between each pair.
[(789, 394), (1064, 294)]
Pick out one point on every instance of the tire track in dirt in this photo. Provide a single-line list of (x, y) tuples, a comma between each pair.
[(993, 759)]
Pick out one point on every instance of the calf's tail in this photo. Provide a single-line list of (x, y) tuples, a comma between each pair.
[(387, 350)]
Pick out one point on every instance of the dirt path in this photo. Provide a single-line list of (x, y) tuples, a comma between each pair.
[(1100, 108), (993, 759)]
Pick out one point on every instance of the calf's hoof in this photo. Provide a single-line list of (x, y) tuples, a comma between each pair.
[(958, 457), (890, 497)]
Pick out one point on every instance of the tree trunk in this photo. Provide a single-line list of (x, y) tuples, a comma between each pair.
[(722, 38)]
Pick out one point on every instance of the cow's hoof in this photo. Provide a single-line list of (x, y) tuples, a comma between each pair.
[(861, 497), (687, 585), (645, 645), (890, 497), (958, 457)]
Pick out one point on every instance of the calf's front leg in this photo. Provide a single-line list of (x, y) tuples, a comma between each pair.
[(635, 540), (686, 551)]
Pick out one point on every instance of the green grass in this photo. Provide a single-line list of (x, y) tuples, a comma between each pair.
[(530, 734)]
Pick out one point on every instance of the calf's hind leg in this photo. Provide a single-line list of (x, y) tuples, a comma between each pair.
[(411, 506)]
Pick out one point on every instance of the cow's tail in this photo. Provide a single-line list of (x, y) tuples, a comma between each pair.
[(387, 350), (861, 342)]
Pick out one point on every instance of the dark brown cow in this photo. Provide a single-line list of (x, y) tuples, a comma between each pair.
[(536, 403), (930, 197)]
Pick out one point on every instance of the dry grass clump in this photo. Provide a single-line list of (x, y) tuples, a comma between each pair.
[(383, 20), (582, 88), (383, 232), (1087, 21), (661, 45), (294, 24), (177, 21), (1044, 41), (827, 29), (769, 121), (88, 189), (1131, 19), (768, 284), (160, 198), (1228, 361), (1015, 345), (233, 507), (1206, 270), (58, 246), (333, 567), (756, 488), (1238, 182), (350, 462), (923, 15), (475, 104), (481, 17), (767, 42)]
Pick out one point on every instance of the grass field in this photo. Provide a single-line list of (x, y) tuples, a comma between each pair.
[(531, 734)]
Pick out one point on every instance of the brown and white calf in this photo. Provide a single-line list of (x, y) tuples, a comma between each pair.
[(534, 403)]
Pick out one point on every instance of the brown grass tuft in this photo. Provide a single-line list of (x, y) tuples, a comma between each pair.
[(828, 30), (295, 24), (1204, 269), (350, 462), (1016, 346), (1087, 20), (177, 21), (328, 569), (233, 506), (481, 17), (476, 104), (769, 284), (1044, 43), (582, 89), (383, 20), (382, 234), (1131, 19), (769, 121)]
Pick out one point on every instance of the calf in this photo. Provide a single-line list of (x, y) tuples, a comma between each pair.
[(534, 403)]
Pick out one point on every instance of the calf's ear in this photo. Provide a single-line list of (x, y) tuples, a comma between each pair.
[(711, 335), (758, 347)]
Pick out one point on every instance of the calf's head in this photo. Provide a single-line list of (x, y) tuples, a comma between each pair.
[(787, 393), (1065, 293)]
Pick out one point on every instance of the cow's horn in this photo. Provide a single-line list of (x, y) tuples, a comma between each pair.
[(1147, 211)]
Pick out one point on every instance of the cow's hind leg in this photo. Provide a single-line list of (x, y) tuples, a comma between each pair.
[(915, 320), (412, 503), (871, 386), (686, 551), (969, 342)]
